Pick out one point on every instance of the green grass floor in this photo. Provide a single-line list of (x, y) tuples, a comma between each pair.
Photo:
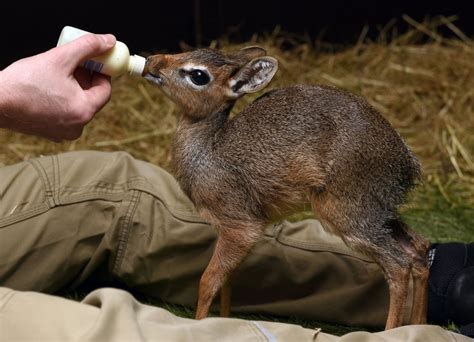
[(440, 215)]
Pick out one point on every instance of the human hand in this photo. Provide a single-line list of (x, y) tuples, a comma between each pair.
[(49, 95)]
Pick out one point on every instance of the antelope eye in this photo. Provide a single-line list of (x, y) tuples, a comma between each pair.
[(199, 77)]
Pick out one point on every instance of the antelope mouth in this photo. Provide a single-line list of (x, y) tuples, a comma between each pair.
[(156, 78)]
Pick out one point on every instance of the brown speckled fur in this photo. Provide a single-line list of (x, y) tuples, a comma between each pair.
[(300, 144)]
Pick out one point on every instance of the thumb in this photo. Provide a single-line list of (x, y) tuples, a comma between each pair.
[(85, 47)]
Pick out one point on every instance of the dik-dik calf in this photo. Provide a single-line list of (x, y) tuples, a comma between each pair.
[(300, 144)]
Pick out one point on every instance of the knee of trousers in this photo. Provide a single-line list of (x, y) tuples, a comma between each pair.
[(63, 217)]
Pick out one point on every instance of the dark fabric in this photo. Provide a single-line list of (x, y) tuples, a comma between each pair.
[(467, 330), (451, 284)]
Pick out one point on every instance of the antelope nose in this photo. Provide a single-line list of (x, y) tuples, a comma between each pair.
[(155, 62), (149, 62)]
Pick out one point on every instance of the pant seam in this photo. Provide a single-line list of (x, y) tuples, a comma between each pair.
[(314, 247), (45, 180), (256, 332), (124, 231), (268, 335), (4, 300), (37, 210), (128, 184), (56, 180)]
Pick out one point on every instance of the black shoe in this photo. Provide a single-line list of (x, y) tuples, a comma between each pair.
[(451, 284)]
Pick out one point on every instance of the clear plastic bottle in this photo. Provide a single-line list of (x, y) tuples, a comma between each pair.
[(115, 62)]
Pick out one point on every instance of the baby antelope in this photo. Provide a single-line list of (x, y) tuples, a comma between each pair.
[(291, 146)]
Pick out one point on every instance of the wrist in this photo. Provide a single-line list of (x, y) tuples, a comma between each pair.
[(5, 102)]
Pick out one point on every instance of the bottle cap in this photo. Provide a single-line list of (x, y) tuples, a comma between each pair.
[(136, 65)]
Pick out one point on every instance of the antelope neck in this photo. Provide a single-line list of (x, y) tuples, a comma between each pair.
[(203, 129), (194, 147)]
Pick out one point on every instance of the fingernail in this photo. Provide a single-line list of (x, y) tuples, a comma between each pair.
[(109, 39)]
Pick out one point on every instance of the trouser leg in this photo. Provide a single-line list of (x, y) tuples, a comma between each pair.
[(114, 315), (67, 218)]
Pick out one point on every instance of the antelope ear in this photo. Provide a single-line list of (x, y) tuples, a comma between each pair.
[(250, 52), (254, 76)]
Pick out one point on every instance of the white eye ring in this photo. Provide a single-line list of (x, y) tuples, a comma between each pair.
[(189, 69)]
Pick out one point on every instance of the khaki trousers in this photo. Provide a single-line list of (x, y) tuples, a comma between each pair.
[(93, 218)]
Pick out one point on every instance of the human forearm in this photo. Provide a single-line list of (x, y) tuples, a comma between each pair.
[(5, 103)]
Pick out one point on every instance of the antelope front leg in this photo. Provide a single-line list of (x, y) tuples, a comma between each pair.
[(420, 294), (398, 288), (233, 244), (420, 271), (226, 291)]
